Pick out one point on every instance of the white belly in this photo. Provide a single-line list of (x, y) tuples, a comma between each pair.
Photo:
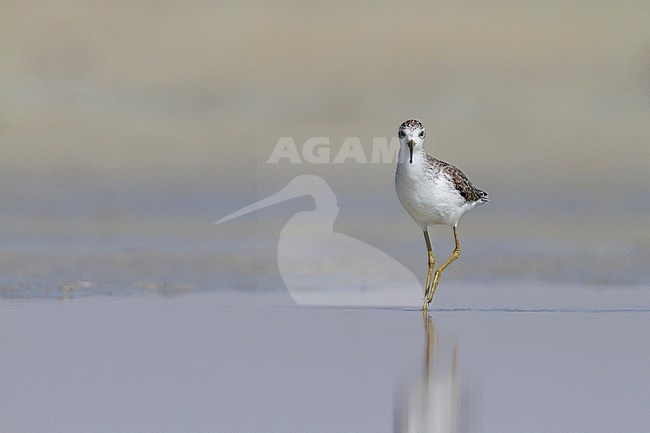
[(428, 199)]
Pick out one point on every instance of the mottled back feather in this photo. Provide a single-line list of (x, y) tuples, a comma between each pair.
[(463, 185)]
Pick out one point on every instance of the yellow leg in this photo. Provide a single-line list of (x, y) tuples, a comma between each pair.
[(432, 265), (436, 277)]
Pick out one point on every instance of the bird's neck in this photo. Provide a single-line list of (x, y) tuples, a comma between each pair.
[(418, 162)]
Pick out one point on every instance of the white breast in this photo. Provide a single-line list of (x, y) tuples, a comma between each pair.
[(429, 197)]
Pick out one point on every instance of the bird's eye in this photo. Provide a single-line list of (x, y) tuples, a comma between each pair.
[(422, 134), (401, 134)]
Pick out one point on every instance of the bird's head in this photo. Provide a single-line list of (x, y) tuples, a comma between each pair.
[(411, 137)]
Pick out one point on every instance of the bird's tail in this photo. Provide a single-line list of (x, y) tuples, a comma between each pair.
[(483, 197)]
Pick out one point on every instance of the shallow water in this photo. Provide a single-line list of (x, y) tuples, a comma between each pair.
[(241, 256), (166, 324), (153, 321), (249, 363)]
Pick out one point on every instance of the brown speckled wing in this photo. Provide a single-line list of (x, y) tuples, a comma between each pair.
[(463, 185)]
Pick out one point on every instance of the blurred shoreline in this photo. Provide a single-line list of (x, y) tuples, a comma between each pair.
[(137, 125)]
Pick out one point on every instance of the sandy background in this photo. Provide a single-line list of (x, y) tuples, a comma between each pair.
[(132, 123)]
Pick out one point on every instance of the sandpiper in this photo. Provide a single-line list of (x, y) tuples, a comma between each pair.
[(432, 192)]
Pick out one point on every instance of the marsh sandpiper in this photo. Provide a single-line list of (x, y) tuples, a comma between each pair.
[(432, 192)]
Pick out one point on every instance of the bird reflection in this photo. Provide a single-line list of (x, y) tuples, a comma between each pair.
[(434, 403)]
